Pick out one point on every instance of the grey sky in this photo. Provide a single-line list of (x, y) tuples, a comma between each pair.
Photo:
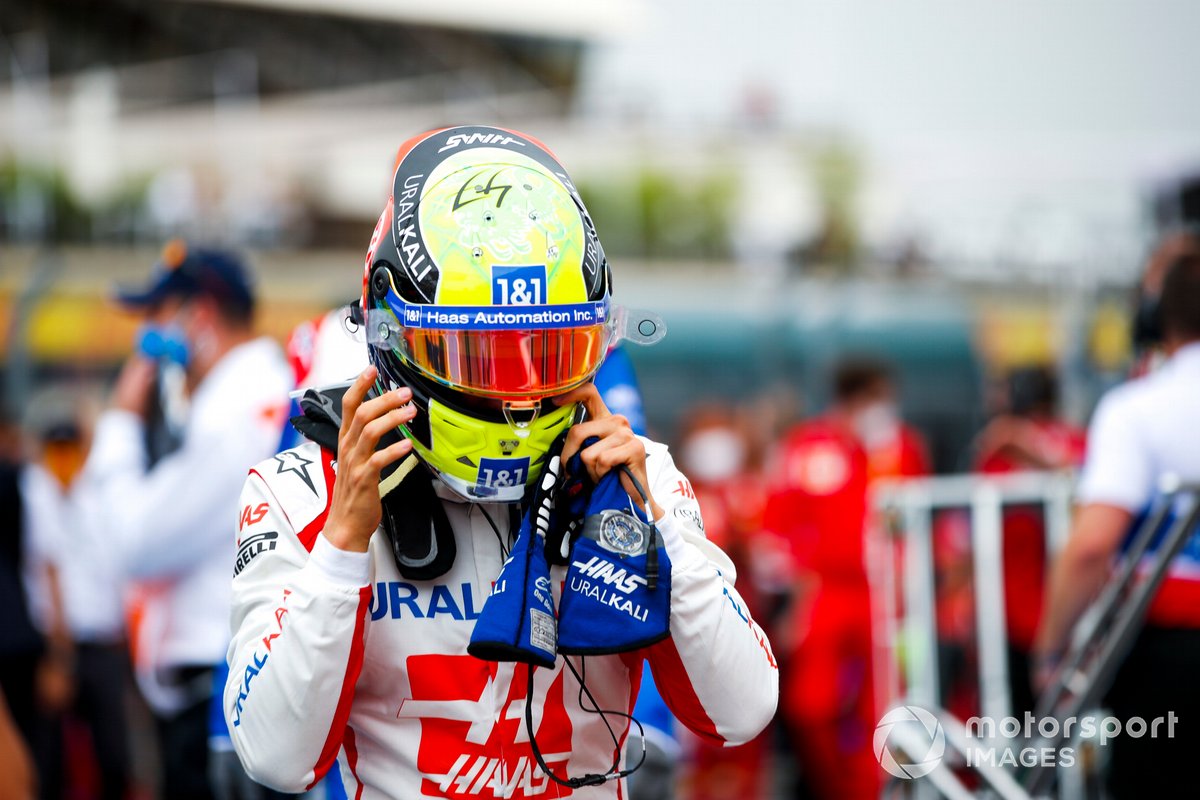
[(917, 65), (982, 123)]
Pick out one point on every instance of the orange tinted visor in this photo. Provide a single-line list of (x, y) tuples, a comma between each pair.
[(527, 365), (515, 352)]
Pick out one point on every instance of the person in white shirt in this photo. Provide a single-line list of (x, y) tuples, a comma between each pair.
[(78, 606), (168, 523), (1141, 431)]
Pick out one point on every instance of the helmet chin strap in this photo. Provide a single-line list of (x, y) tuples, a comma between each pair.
[(397, 475)]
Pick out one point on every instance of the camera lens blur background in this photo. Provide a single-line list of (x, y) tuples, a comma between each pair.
[(967, 194)]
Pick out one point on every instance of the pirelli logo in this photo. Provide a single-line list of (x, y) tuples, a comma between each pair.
[(253, 545)]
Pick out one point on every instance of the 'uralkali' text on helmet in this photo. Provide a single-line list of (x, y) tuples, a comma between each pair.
[(485, 291)]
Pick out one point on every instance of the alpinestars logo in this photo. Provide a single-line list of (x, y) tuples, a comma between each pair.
[(291, 461), (474, 743)]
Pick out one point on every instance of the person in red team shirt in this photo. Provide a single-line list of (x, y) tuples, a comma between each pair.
[(1031, 436), (819, 506)]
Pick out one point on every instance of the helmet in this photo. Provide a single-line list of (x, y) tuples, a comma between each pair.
[(486, 292)]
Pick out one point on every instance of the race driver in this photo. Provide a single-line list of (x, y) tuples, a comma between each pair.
[(486, 311)]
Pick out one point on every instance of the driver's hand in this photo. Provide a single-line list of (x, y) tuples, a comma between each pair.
[(355, 511), (618, 444)]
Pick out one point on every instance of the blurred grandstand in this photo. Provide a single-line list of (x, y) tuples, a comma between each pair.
[(268, 124)]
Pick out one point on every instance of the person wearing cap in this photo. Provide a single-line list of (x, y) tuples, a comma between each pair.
[(169, 514), (76, 600)]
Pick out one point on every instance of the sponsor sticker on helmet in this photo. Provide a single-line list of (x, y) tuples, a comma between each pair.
[(499, 473), (519, 286), (383, 327), (479, 139)]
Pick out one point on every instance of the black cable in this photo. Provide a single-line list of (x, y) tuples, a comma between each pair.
[(514, 522), (613, 773), (591, 779), (580, 677), (595, 709), (652, 549), (496, 530)]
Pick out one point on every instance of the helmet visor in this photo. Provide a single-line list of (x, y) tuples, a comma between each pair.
[(512, 364), (511, 352)]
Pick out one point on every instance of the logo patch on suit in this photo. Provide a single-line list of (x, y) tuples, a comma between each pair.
[(251, 546), (472, 748), (293, 462)]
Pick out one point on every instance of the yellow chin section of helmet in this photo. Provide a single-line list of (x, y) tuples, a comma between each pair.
[(487, 461)]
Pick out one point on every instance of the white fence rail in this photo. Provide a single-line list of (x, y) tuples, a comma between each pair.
[(906, 509)]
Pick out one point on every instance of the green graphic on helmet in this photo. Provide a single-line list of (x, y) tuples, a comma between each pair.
[(486, 291)]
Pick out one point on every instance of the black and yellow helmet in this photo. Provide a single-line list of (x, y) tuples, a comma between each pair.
[(486, 291)]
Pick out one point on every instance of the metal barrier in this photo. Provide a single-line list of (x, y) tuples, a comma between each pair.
[(908, 507), (1099, 643), (1104, 638), (906, 510)]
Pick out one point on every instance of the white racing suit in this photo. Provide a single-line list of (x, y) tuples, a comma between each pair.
[(335, 654)]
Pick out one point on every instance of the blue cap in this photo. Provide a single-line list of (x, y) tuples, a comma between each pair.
[(184, 271)]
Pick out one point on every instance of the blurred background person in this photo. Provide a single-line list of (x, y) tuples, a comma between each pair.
[(37, 670), (1148, 333), (172, 525), (22, 648), (16, 765), (865, 399), (82, 617), (1141, 431), (1030, 432), (715, 452), (321, 351), (818, 503), (1030, 435)]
